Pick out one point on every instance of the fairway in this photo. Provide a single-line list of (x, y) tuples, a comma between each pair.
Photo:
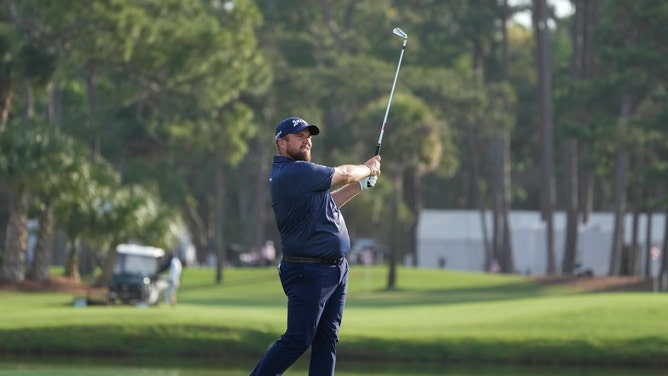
[(432, 315)]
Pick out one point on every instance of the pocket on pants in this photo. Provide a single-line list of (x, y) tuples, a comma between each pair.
[(290, 274)]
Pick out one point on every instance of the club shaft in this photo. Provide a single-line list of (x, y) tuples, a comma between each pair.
[(389, 101)]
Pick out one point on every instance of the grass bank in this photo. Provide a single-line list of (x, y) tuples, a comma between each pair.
[(433, 316)]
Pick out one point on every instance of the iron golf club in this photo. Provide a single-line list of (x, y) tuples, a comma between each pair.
[(397, 31)]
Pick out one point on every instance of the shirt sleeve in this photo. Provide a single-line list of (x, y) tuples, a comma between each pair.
[(315, 177)]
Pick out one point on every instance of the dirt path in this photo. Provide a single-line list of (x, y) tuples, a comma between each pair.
[(61, 284), (598, 284)]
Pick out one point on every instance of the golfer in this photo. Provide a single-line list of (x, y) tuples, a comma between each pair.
[(314, 241)]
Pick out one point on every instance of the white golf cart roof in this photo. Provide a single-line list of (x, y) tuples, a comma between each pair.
[(140, 250)]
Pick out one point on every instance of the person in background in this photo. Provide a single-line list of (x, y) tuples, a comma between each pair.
[(268, 253), (173, 280), (314, 242)]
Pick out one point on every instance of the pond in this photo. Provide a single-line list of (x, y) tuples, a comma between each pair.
[(35, 366)]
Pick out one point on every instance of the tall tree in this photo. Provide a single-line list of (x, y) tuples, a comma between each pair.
[(25, 154), (543, 58), (631, 39), (500, 112), (502, 101), (415, 146), (578, 176), (63, 175), (620, 189), (485, 26), (165, 84), (76, 210)]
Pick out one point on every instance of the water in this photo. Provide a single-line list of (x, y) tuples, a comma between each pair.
[(155, 367)]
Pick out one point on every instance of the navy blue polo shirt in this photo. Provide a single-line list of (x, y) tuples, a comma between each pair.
[(310, 222)]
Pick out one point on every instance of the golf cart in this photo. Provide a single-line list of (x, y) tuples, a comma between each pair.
[(136, 278)]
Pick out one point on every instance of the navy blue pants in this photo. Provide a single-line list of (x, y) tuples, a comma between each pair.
[(316, 298)]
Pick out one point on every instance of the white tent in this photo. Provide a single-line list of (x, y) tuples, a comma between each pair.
[(454, 239)]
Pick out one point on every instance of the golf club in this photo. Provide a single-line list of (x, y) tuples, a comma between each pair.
[(400, 33)]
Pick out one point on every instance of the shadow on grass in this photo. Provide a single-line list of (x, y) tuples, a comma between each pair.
[(190, 341), (213, 342), (386, 298), (643, 352), (249, 302), (389, 298), (405, 297)]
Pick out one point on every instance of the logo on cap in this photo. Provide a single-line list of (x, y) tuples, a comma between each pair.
[(298, 124)]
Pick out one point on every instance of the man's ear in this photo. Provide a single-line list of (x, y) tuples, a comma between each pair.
[(278, 143)]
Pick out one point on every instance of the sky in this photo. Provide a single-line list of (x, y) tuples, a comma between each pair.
[(563, 8)]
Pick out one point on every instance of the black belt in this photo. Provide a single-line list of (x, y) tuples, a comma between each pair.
[(313, 260)]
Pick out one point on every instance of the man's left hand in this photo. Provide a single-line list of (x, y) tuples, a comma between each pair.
[(368, 182)]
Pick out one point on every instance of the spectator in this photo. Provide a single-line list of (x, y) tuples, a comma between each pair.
[(268, 253), (173, 280)]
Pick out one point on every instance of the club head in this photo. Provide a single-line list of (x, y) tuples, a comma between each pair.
[(399, 32)]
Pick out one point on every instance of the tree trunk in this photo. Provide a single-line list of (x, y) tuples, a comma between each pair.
[(107, 265), (620, 211), (571, 149), (664, 247), (39, 269), (475, 194), (648, 246), (413, 200), (91, 96), (6, 94), (508, 264), (621, 171), (503, 249), (548, 195), (507, 258), (54, 107), (590, 16), (475, 197), (633, 266), (29, 98), (72, 262), (397, 232), (498, 219), (570, 246), (4, 216), (414, 195), (16, 241), (261, 204), (585, 186), (219, 218)]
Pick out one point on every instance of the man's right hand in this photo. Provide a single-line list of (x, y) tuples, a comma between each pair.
[(374, 165)]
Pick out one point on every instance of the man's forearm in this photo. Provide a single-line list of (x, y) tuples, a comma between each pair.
[(347, 174), (344, 194)]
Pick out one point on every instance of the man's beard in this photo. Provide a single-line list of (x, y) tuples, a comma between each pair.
[(300, 155)]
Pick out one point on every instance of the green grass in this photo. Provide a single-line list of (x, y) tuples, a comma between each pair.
[(433, 315)]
